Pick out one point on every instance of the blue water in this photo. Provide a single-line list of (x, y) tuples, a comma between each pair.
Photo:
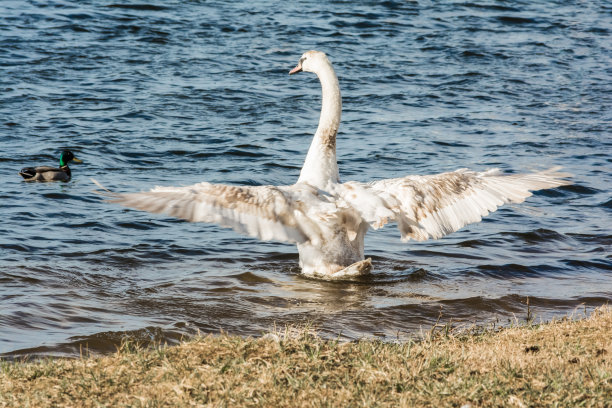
[(173, 93)]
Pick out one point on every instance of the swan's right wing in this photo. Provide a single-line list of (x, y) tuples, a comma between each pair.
[(436, 205), (264, 212)]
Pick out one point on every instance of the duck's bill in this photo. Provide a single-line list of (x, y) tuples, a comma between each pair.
[(296, 70), (74, 159)]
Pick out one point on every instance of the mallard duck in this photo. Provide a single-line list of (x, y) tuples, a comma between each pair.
[(48, 173)]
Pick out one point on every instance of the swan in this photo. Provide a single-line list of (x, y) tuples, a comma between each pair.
[(328, 219)]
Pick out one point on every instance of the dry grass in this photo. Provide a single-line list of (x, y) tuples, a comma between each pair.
[(564, 363)]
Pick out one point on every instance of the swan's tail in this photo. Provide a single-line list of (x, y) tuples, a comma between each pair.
[(357, 269)]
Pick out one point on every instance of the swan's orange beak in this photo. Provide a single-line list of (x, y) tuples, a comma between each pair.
[(297, 69)]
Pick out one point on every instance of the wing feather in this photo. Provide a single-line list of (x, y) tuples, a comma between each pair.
[(436, 205), (265, 212)]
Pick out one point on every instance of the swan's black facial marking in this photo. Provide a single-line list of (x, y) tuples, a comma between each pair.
[(298, 68)]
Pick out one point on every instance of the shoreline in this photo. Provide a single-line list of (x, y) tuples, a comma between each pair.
[(565, 362)]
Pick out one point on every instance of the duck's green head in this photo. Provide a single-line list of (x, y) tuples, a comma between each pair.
[(66, 157)]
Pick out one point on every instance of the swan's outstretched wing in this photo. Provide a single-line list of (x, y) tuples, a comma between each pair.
[(434, 206), (264, 212)]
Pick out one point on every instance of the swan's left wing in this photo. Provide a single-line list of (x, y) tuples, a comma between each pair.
[(436, 205), (264, 212)]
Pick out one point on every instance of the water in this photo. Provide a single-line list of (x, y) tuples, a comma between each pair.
[(173, 93)]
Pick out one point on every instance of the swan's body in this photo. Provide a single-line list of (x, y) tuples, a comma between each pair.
[(328, 219)]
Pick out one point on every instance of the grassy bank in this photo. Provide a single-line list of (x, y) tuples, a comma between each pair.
[(564, 363)]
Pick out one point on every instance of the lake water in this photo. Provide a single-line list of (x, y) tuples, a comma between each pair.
[(174, 93)]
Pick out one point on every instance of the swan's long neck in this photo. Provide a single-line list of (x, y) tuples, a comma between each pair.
[(320, 167)]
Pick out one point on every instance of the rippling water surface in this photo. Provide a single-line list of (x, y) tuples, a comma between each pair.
[(173, 93)]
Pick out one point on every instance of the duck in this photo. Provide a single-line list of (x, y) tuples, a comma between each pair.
[(48, 173), (328, 218)]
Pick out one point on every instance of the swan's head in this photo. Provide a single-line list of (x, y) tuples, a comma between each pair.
[(311, 61)]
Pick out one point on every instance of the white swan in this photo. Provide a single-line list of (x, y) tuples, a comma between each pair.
[(328, 219)]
